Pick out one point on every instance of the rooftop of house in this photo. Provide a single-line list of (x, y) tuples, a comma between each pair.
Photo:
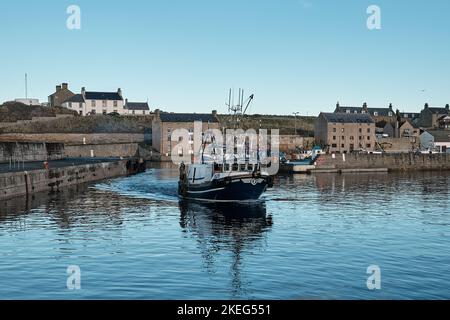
[(376, 111), (440, 135), (437, 110), (348, 117), (75, 98), (138, 106), (188, 117), (91, 95)]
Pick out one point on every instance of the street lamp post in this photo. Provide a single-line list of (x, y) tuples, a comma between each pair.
[(295, 122)]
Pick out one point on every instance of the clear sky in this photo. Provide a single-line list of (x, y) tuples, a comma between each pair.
[(294, 55)]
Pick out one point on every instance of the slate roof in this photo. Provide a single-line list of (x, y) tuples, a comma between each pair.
[(75, 98), (91, 95), (382, 112), (438, 110), (343, 109), (141, 106), (187, 117), (348, 117), (440, 135)]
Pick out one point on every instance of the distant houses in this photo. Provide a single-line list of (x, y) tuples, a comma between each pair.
[(345, 132), (395, 131), (429, 117), (97, 102)]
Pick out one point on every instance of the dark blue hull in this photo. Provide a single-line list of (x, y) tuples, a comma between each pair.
[(227, 191)]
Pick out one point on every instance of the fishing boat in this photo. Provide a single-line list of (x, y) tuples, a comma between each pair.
[(210, 182), (226, 180)]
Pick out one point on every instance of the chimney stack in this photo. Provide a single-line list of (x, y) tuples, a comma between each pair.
[(119, 91), (83, 91), (214, 113), (447, 107), (157, 113), (58, 88), (426, 105), (65, 86)]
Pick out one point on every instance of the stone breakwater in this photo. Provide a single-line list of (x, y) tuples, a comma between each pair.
[(13, 184), (391, 162)]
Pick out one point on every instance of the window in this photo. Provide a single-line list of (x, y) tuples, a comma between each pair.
[(93, 111), (104, 112), (369, 145), (334, 137), (368, 137), (356, 111), (133, 112), (81, 113), (143, 112), (115, 103), (390, 114), (343, 138), (115, 111), (375, 114), (348, 110), (80, 105), (334, 145), (406, 116), (368, 130), (104, 104), (352, 138), (70, 105), (334, 129), (93, 103), (360, 130), (169, 134), (343, 145), (360, 137)]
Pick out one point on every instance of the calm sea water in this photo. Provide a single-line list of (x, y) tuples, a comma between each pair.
[(312, 237)]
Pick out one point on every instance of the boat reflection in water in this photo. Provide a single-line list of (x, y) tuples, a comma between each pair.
[(234, 227)]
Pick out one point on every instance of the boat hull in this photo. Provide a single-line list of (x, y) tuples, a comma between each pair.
[(230, 190)]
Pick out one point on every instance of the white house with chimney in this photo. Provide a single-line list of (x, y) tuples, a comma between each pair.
[(103, 102), (96, 102)]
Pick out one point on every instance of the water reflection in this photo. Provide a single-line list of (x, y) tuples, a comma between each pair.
[(238, 228)]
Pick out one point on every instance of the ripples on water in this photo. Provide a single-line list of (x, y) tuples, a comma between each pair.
[(310, 237)]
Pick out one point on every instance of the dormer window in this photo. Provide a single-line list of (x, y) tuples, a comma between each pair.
[(375, 114), (356, 111), (390, 114), (348, 111)]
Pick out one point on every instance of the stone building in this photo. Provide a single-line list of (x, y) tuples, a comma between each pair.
[(136, 108), (103, 102), (61, 95), (76, 103), (345, 132), (429, 117), (165, 123)]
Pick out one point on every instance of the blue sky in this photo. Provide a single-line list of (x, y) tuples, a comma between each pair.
[(294, 55)]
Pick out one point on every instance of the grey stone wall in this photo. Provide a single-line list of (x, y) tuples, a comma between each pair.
[(393, 162)]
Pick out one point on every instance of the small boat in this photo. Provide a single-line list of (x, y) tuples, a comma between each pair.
[(211, 182)]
